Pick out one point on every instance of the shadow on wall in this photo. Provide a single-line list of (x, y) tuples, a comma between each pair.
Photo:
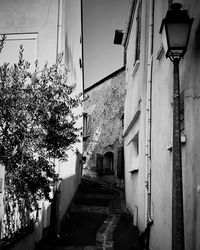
[(49, 216), (69, 59), (64, 193), (49, 220), (28, 238)]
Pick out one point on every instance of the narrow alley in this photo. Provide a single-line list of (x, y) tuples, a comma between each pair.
[(97, 219), (99, 125)]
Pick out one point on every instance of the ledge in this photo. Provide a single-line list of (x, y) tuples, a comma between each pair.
[(135, 117), (134, 171), (160, 52), (183, 141), (135, 67), (85, 137)]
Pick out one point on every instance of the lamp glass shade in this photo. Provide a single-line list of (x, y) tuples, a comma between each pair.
[(175, 30), (177, 36)]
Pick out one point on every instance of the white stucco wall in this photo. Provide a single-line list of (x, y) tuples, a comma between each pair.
[(70, 170), (44, 30), (135, 101), (161, 133), (34, 25), (39, 17), (162, 136)]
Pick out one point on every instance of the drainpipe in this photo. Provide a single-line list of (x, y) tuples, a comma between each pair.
[(57, 193), (82, 48), (149, 219), (59, 28)]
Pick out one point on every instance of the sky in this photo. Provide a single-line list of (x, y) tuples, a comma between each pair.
[(100, 20)]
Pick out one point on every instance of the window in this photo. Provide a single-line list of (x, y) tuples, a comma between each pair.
[(134, 153), (138, 32), (86, 124), (80, 63), (135, 142)]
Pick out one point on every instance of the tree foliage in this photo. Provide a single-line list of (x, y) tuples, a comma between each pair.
[(37, 125)]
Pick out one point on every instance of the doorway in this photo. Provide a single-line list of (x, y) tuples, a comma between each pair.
[(108, 163)]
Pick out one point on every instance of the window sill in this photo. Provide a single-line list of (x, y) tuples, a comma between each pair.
[(160, 53), (85, 137), (134, 171), (183, 141), (135, 67)]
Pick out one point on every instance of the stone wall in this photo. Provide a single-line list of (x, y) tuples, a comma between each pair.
[(104, 109)]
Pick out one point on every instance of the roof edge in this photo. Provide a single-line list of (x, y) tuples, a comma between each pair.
[(104, 79)]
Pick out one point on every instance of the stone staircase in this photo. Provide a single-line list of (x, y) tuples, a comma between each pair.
[(92, 218)]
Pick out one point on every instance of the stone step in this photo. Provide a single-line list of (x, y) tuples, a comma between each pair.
[(70, 248), (95, 196), (89, 209)]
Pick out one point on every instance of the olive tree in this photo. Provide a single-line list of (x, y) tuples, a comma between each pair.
[(37, 125)]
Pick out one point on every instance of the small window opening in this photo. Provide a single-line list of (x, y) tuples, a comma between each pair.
[(136, 144), (138, 32), (86, 124)]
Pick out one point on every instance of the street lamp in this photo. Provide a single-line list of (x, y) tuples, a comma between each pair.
[(175, 30)]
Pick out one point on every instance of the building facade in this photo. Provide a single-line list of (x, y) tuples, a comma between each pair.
[(148, 124), (46, 28), (103, 128)]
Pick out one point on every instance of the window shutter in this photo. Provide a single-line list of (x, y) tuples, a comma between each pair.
[(120, 163), (99, 164)]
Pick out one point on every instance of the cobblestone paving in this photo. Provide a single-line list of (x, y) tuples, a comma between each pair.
[(104, 238)]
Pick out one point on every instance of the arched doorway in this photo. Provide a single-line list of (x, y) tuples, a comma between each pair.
[(108, 162)]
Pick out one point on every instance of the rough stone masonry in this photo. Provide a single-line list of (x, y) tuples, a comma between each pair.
[(103, 126)]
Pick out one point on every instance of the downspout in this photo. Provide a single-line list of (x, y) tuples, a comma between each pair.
[(59, 37), (82, 48), (59, 28), (57, 188), (148, 120)]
